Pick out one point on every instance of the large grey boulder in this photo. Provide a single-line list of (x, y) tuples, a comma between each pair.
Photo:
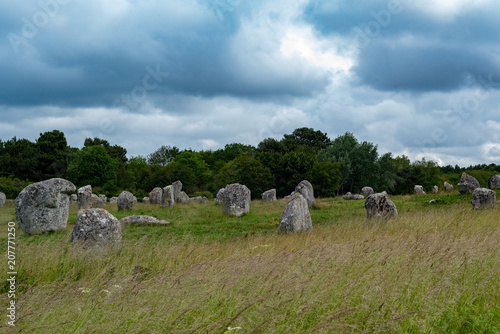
[(494, 182), (220, 196), (168, 199), (182, 198), (305, 188), (85, 197), (156, 196), (419, 190), (367, 191), (483, 198), (467, 184), (379, 206), (177, 188), (96, 227), (448, 187), (3, 199), (354, 197), (435, 189), (44, 206), (125, 201), (295, 217), (142, 220), (269, 196), (236, 199)]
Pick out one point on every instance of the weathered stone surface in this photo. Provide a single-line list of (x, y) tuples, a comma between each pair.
[(295, 217), (350, 196), (145, 200), (448, 187), (113, 200), (380, 206), (156, 196), (269, 196), (435, 189), (183, 198), (142, 220), (44, 206), (3, 199), (419, 190), (177, 188), (125, 201), (305, 188), (199, 199), (494, 182), (467, 184), (74, 198), (236, 199), (103, 198), (96, 227), (483, 198), (134, 199), (168, 199), (85, 197), (367, 191), (220, 195)]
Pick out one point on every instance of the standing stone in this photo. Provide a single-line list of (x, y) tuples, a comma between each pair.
[(435, 190), (236, 199), (495, 182), (85, 197), (183, 198), (220, 196), (380, 206), (355, 197), (448, 187), (3, 199), (483, 198), (177, 188), (419, 190), (74, 198), (155, 196), (168, 199), (103, 198), (295, 217), (44, 206), (125, 201), (367, 191), (467, 184), (269, 196), (96, 201), (113, 200), (305, 188), (96, 227), (145, 200)]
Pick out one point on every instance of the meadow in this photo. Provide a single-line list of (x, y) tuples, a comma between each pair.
[(436, 269)]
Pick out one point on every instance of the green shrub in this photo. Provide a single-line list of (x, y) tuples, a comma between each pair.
[(12, 186)]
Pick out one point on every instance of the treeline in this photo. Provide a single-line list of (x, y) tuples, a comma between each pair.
[(334, 167)]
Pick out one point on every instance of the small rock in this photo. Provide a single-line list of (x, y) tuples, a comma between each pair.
[(467, 184), (74, 198), (350, 196), (483, 198), (96, 201), (367, 191), (168, 199), (125, 201), (3, 199), (220, 195), (494, 182), (156, 196), (435, 190), (145, 200), (183, 198), (305, 188), (96, 227), (142, 220), (448, 187), (419, 190), (380, 206), (103, 198), (113, 200), (236, 199), (199, 199), (177, 188), (85, 197)]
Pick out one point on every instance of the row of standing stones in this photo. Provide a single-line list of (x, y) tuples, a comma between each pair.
[(44, 206)]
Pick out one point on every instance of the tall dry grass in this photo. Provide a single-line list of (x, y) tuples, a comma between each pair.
[(434, 270)]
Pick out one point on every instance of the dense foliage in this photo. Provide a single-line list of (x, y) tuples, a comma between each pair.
[(333, 166)]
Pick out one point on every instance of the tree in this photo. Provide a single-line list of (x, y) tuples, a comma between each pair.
[(19, 158), (53, 154), (387, 170), (92, 165), (326, 178), (294, 167), (247, 170), (231, 151), (163, 156), (116, 152), (313, 140)]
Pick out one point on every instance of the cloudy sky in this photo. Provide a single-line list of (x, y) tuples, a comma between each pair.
[(420, 78)]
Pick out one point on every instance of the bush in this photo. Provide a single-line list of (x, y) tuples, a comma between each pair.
[(12, 186)]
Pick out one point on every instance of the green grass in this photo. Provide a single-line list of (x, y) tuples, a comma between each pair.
[(436, 269)]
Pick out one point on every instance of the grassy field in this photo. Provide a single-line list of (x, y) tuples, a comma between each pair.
[(436, 269)]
